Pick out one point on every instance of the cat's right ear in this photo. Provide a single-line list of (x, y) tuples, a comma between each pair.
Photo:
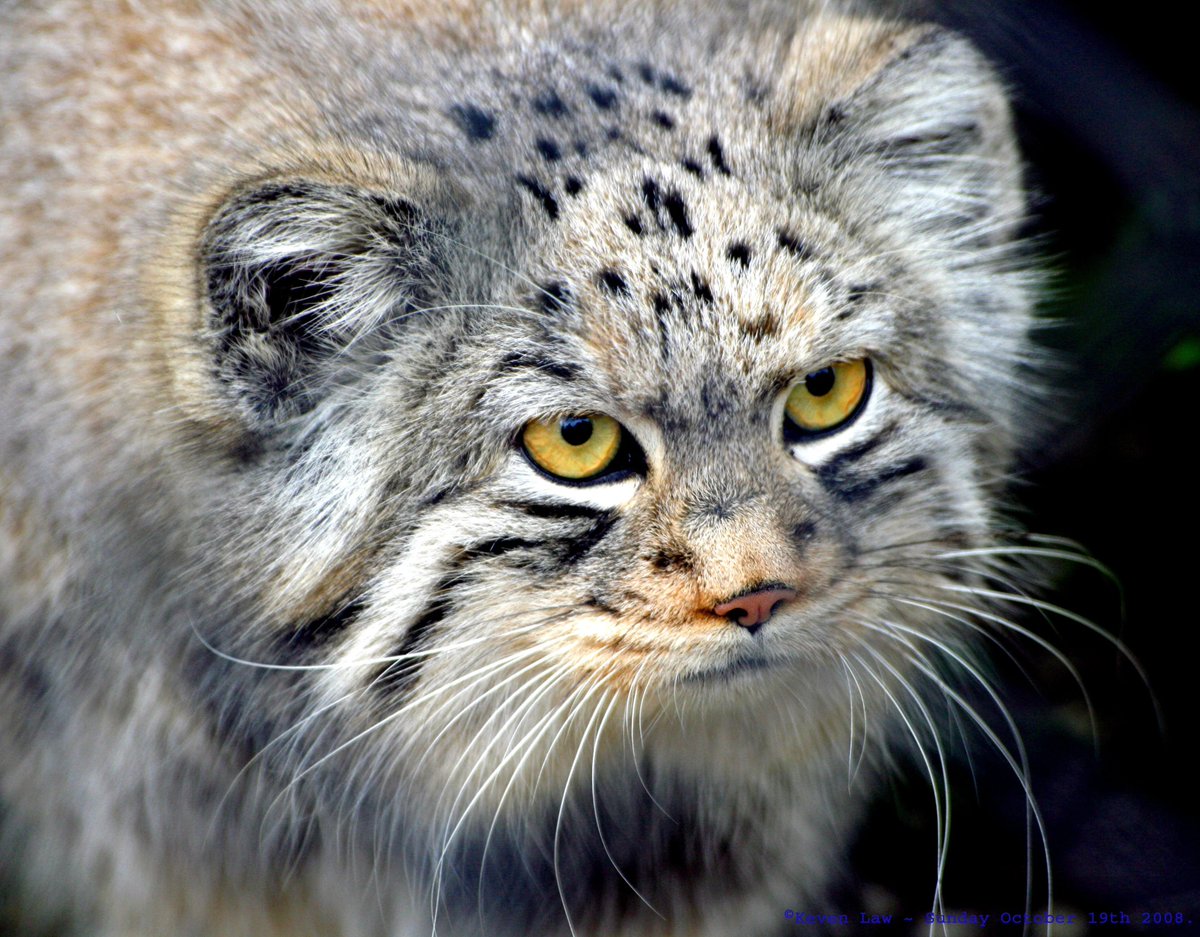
[(301, 278), (918, 128)]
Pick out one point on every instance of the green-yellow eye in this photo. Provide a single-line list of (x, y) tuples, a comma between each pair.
[(575, 448), (827, 398)]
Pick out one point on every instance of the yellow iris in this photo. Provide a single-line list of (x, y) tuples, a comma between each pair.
[(829, 397), (575, 448)]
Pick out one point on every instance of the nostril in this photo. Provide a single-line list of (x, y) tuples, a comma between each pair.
[(753, 608)]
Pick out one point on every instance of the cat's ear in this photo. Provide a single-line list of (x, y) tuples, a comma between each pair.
[(301, 278), (933, 119)]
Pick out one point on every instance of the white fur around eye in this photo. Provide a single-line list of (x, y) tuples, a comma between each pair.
[(820, 449), (521, 481)]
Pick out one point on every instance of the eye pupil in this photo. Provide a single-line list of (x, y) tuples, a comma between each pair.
[(819, 383), (576, 430)]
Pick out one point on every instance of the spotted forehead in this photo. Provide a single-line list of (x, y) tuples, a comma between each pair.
[(656, 280)]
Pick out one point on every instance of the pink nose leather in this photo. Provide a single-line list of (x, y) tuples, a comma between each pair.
[(754, 608)]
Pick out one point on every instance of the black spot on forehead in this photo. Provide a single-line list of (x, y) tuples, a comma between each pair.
[(766, 326), (553, 296), (858, 292), (537, 361), (677, 211), (795, 245), (612, 281), (548, 149), (671, 202), (693, 167), (718, 396), (855, 294), (651, 194), (541, 193), (551, 104), (661, 306), (701, 288), (663, 119), (573, 185), (834, 116), (664, 80), (739, 252), (672, 85), (603, 97), (717, 154), (634, 224), (477, 123)]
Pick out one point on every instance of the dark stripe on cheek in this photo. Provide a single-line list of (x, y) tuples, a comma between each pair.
[(500, 546), (855, 487), (398, 677), (310, 635), (847, 457), (804, 532), (597, 602), (574, 549), (556, 511)]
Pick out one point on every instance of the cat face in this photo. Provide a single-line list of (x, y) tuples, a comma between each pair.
[(524, 586), (711, 489)]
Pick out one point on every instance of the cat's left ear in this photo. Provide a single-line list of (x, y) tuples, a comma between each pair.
[(306, 275), (933, 119)]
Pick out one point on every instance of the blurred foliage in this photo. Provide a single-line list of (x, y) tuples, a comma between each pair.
[(1184, 356)]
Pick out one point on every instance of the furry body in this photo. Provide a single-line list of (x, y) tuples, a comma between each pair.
[(297, 639)]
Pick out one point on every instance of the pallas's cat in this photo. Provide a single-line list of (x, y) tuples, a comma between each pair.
[(489, 469)]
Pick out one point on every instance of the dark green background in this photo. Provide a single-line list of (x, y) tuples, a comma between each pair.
[(1108, 116)]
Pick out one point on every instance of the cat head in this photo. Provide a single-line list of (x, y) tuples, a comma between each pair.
[(692, 419)]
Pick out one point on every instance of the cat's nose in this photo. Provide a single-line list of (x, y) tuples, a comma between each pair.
[(751, 609)]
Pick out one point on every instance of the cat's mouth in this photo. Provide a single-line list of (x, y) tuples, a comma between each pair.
[(739, 668)]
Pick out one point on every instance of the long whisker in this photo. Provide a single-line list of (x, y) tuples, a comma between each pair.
[(1052, 609), (596, 811), (943, 848), (526, 744), (558, 879), (1018, 765), (947, 609), (939, 820), (472, 681), (852, 684), (522, 749), (530, 750)]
